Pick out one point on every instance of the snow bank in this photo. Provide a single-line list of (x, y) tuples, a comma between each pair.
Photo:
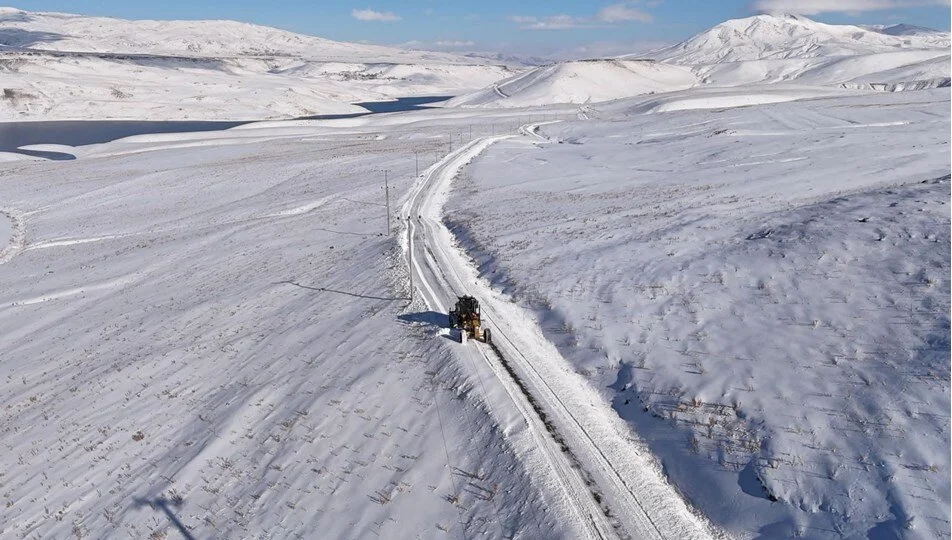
[(719, 98)]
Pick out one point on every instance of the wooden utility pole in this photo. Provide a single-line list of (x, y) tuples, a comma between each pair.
[(410, 256), (386, 188)]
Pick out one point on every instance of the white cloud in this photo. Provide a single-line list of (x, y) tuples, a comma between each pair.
[(453, 44), (556, 22), (813, 7), (371, 15), (621, 13), (610, 14), (551, 22)]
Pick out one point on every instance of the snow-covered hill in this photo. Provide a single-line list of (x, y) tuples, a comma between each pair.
[(581, 82), (61, 66), (77, 33), (760, 49), (775, 37), (772, 48)]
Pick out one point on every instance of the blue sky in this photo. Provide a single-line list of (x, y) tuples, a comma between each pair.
[(527, 27)]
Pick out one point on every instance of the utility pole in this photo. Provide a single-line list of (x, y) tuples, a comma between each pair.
[(471, 132), (386, 188), (410, 255), (416, 156)]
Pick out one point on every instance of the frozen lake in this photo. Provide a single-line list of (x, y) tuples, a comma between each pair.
[(14, 135)]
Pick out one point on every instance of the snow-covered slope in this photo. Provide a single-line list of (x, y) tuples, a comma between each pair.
[(790, 36), (584, 81), (209, 332), (889, 68), (60, 66), (769, 49), (763, 293), (44, 87)]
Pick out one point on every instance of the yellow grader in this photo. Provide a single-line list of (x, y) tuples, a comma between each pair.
[(466, 317)]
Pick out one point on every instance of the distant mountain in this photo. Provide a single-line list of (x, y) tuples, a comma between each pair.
[(207, 39), (772, 37), (71, 67), (792, 48), (903, 30)]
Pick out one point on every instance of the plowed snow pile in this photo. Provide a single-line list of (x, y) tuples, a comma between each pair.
[(763, 293)]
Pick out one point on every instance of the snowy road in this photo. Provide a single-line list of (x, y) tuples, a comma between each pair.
[(607, 483)]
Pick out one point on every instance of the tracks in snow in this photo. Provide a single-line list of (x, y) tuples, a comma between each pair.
[(609, 486), (17, 235)]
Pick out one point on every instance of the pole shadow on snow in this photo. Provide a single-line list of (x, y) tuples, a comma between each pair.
[(429, 318), (325, 289), (166, 505)]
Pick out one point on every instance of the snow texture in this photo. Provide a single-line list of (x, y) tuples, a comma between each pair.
[(722, 305), (762, 293), (210, 333)]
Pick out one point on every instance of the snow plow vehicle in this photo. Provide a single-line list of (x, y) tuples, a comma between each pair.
[(467, 319)]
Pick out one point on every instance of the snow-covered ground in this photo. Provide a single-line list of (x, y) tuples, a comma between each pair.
[(721, 308), (761, 292), (62, 67), (212, 330)]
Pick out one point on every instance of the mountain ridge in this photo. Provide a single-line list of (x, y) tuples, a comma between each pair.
[(775, 37), (66, 32)]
